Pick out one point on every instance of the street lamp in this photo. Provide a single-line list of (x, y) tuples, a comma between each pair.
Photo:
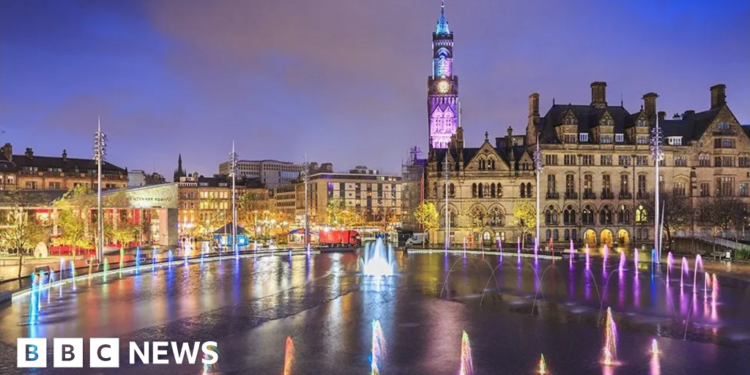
[(538, 169), (100, 154), (657, 153), (445, 191), (233, 165)]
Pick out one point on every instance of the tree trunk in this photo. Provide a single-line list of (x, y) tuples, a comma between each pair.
[(20, 263)]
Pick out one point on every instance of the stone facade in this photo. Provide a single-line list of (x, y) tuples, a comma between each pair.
[(598, 171)]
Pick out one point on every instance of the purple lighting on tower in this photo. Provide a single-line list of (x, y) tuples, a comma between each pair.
[(442, 98)]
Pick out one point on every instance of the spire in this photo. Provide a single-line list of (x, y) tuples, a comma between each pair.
[(442, 24), (179, 163)]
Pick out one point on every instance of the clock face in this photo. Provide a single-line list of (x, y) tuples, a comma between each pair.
[(443, 87)]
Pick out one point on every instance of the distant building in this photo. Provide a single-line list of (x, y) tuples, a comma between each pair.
[(31, 172), (273, 173), (179, 172), (205, 203), (138, 178), (284, 198), (412, 189)]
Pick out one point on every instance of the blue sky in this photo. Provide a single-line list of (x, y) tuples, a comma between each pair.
[(342, 81)]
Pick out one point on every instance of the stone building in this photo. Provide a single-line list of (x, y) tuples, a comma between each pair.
[(597, 171), (33, 172)]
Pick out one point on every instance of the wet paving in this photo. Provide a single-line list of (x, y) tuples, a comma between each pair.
[(513, 311)]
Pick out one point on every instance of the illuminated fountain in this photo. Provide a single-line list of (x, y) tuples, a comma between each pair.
[(698, 263), (288, 356), (684, 268), (467, 367), (622, 262), (655, 367), (714, 289), (106, 269), (49, 284), (635, 259), (542, 366), (588, 257), (654, 347), (464, 246), (122, 256), (137, 258), (169, 259), (572, 253), (610, 340), (73, 274), (706, 285), (670, 262), (536, 249), (376, 260), (519, 249), (606, 255), (500, 245), (378, 348), (33, 300)]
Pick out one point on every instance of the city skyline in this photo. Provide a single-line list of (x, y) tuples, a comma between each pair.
[(193, 78)]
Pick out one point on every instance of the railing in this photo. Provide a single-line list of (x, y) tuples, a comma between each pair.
[(625, 195), (589, 195), (571, 195), (643, 195), (608, 195), (725, 242), (553, 195)]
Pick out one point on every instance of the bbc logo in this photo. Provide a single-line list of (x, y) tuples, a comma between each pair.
[(68, 353)]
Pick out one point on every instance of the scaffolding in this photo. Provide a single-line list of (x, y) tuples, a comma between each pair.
[(412, 191)]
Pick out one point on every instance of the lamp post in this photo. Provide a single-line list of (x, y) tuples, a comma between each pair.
[(446, 167), (306, 171), (656, 152), (233, 165), (100, 154), (538, 169)]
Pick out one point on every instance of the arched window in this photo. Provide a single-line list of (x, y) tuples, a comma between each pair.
[(623, 214), (566, 235), (641, 215), (496, 217), (486, 190), (605, 215), (569, 216), (452, 190), (492, 164), (574, 235), (549, 234), (499, 190), (550, 216), (474, 190), (478, 217), (481, 164), (523, 191), (492, 190), (528, 189), (587, 215), (481, 190), (555, 235)]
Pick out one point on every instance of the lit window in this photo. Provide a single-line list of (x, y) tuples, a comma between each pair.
[(583, 137), (619, 138)]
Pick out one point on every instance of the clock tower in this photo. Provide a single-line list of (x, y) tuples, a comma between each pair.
[(442, 86)]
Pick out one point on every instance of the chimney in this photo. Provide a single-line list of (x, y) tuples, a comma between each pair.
[(599, 94), (718, 95), (7, 151), (65, 155), (662, 115), (676, 116), (531, 125), (688, 113), (534, 105), (649, 104), (29, 153)]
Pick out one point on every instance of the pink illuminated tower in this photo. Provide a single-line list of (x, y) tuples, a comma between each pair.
[(442, 86)]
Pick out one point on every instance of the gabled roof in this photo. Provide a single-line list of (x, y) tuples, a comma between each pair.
[(43, 163), (587, 116), (470, 153)]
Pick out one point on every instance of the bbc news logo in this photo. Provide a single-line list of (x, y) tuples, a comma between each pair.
[(105, 352)]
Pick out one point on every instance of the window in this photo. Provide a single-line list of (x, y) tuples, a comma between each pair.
[(555, 235), (452, 190), (624, 184), (482, 165), (727, 161), (605, 138), (679, 189), (743, 189), (641, 184), (674, 141), (496, 217), (583, 137), (551, 185), (641, 215), (606, 184), (550, 216), (619, 138), (523, 191), (723, 142), (605, 215), (623, 214), (743, 161), (550, 159), (569, 216), (680, 161), (31, 184), (587, 215), (570, 184), (723, 126), (717, 161), (54, 186), (623, 160), (704, 161), (570, 138), (569, 159), (499, 190), (641, 139), (724, 186), (528, 189), (566, 235), (641, 160), (482, 191), (588, 184), (605, 160), (705, 189), (587, 159)]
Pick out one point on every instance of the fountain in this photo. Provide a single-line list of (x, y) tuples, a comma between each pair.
[(500, 245), (588, 257), (536, 249), (519, 249), (288, 356), (714, 289), (137, 258), (376, 260), (33, 300), (378, 348), (73, 274), (467, 367), (698, 262), (654, 347), (153, 259), (49, 284), (446, 246), (606, 255), (542, 366), (610, 341), (622, 262), (169, 259), (635, 259), (106, 268), (684, 268), (655, 367), (572, 252), (122, 256)]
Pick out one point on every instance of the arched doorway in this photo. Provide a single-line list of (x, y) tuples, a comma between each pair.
[(589, 238), (486, 239), (623, 238), (606, 238)]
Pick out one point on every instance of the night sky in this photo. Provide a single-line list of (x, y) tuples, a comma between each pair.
[(341, 80)]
